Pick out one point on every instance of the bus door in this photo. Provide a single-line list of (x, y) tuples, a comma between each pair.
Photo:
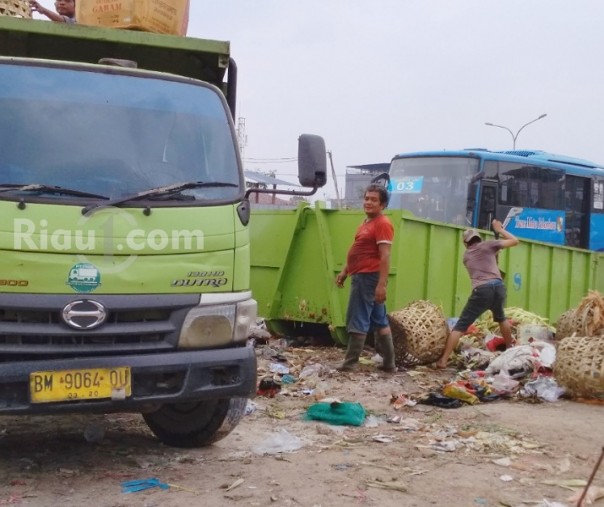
[(487, 204), (577, 207), (596, 223)]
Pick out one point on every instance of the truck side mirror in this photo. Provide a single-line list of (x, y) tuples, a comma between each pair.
[(312, 161)]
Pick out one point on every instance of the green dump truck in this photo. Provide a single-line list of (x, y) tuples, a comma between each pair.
[(125, 248)]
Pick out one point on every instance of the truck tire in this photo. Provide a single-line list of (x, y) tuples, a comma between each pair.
[(196, 424)]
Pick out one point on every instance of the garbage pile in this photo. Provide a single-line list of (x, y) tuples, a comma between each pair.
[(544, 364)]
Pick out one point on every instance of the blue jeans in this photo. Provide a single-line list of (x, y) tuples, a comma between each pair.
[(363, 313)]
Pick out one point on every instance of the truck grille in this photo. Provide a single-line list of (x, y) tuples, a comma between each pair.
[(32, 325)]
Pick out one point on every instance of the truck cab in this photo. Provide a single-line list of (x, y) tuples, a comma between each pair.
[(125, 251)]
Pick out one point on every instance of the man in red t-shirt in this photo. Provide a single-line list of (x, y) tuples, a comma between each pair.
[(368, 263)]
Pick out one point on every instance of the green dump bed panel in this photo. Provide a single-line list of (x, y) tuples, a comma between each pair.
[(202, 59), (296, 255)]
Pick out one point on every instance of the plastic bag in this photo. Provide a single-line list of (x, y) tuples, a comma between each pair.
[(281, 441), (311, 370), (460, 392), (545, 388), (502, 383)]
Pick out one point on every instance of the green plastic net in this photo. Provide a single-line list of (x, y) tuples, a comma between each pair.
[(338, 413)]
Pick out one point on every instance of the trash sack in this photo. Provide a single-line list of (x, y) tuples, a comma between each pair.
[(338, 413), (516, 359)]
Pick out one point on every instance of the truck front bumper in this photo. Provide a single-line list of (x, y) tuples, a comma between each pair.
[(157, 379)]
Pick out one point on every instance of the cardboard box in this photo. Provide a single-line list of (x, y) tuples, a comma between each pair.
[(160, 16)]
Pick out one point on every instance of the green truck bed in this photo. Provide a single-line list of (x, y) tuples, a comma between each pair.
[(202, 59)]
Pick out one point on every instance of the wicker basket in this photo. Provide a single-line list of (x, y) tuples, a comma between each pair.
[(18, 8), (419, 333), (564, 325), (579, 366), (588, 318)]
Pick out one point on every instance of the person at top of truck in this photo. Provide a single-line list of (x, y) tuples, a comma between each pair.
[(65, 11)]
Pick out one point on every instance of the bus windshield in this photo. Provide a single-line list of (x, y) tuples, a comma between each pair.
[(435, 188), (113, 134)]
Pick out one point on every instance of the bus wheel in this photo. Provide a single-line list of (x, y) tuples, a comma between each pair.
[(195, 424)]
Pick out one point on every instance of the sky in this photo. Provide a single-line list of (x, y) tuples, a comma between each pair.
[(391, 76)]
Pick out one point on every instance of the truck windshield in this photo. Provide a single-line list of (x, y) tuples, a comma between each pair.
[(113, 135), (435, 188)]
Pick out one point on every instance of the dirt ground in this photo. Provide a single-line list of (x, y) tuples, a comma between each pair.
[(502, 453)]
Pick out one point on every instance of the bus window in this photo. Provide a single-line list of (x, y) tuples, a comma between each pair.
[(435, 188), (530, 186)]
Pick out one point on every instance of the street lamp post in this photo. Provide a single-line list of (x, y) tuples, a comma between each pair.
[(515, 136)]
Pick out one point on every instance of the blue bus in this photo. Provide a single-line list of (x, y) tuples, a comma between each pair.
[(537, 195)]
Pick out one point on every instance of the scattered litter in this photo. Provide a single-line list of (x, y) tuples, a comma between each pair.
[(503, 462), (545, 388), (236, 484), (506, 478), (547, 503), (384, 439), (448, 446), (377, 359), (440, 400), (143, 484), (268, 387), (502, 383), (288, 379), (401, 400), (566, 484), (372, 422), (279, 368), (311, 370), (393, 485), (461, 392), (250, 407), (281, 441)]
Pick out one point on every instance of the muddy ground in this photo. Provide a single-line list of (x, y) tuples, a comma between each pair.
[(501, 453)]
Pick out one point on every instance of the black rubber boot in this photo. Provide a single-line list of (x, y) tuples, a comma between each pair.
[(356, 342), (386, 348)]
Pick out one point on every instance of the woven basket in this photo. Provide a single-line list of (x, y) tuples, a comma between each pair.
[(564, 325), (588, 318), (579, 366), (419, 333), (19, 8)]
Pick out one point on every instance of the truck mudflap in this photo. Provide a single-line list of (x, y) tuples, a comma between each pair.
[(145, 381)]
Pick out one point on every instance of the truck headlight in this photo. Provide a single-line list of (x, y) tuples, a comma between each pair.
[(217, 325)]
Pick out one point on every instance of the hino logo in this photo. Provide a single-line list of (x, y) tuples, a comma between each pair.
[(84, 314)]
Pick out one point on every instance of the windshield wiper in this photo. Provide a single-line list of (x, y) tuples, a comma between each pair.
[(153, 192), (48, 189)]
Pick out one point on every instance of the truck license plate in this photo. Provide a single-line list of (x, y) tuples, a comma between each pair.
[(74, 385)]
